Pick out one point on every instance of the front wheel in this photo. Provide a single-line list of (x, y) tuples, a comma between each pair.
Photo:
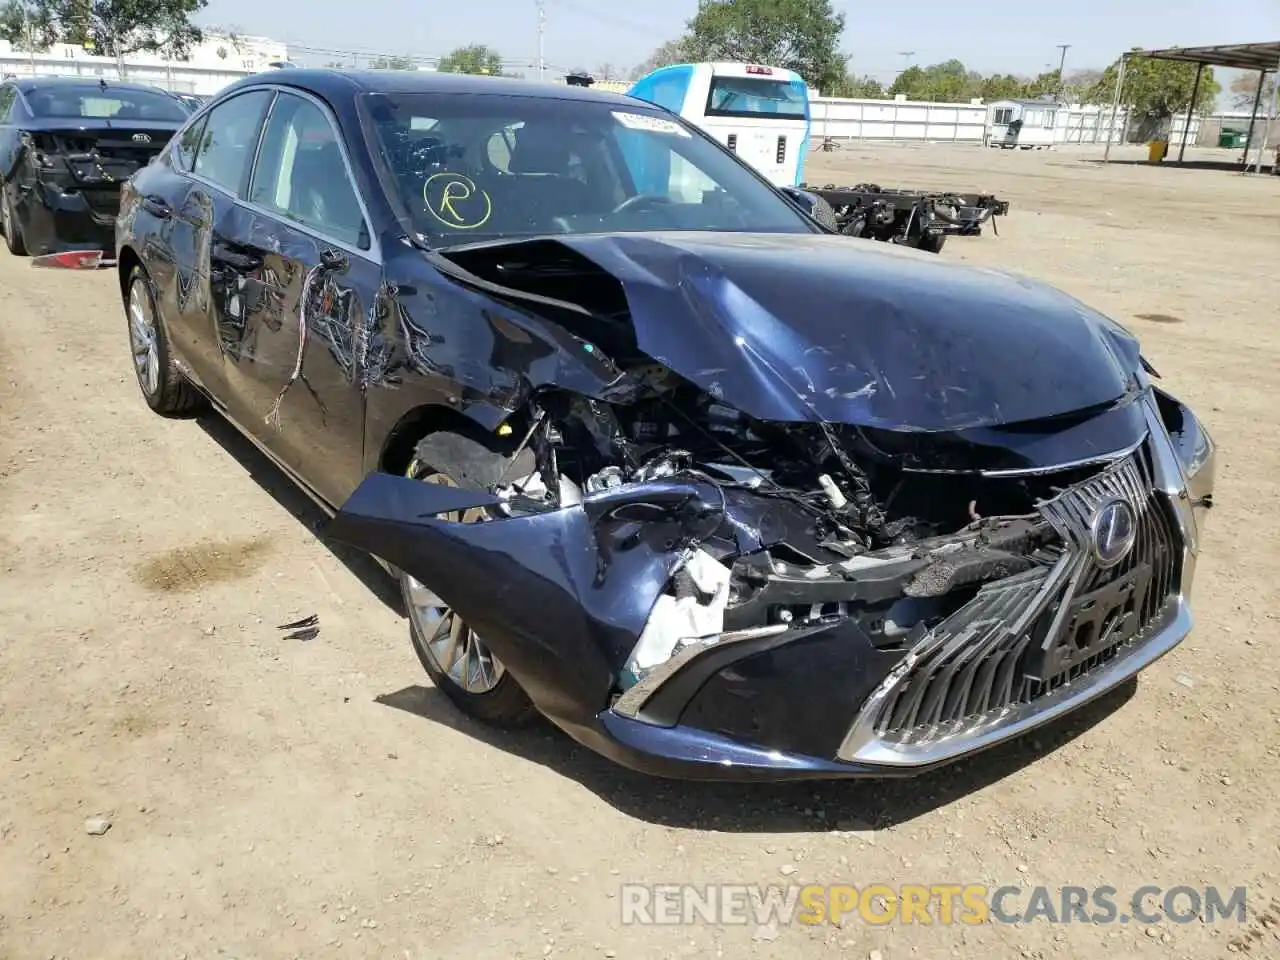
[(456, 658), (163, 386)]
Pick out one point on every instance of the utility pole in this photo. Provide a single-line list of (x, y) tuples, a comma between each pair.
[(31, 42), (1062, 62), (906, 56), (542, 21)]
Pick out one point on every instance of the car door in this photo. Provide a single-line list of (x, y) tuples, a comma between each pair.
[(310, 273), (210, 166)]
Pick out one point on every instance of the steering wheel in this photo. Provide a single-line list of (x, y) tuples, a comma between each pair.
[(641, 200)]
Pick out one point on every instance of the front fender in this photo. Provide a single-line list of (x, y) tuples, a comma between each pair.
[(562, 596)]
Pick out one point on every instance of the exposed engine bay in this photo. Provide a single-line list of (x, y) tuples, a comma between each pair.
[(862, 538)]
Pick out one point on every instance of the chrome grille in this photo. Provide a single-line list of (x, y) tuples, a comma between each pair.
[(1025, 636)]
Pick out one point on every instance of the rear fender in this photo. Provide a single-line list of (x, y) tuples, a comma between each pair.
[(562, 596)]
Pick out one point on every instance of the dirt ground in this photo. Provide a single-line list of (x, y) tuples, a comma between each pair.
[(276, 796)]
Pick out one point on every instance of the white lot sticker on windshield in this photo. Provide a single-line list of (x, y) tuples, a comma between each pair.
[(644, 121)]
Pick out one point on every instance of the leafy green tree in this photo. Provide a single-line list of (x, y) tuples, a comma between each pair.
[(673, 51), (859, 88), (393, 63), (1042, 85), (799, 35), (22, 26), (1245, 87), (948, 81), (1156, 89), (476, 58), (1001, 87), (111, 27)]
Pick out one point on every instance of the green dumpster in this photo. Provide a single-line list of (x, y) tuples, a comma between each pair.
[(1231, 139)]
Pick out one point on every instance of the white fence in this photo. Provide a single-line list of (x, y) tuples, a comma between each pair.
[(180, 76), (841, 118), (845, 119)]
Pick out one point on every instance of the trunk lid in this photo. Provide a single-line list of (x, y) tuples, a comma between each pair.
[(96, 158)]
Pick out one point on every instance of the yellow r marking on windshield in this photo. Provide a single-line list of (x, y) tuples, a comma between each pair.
[(443, 198)]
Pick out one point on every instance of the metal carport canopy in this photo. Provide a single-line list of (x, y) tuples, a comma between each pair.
[(1236, 56), (1262, 57)]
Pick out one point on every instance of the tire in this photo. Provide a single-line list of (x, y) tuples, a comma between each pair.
[(163, 386), (13, 238), (932, 243), (496, 698)]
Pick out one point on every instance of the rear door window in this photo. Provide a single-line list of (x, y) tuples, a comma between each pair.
[(230, 137), (189, 144), (8, 94), (301, 174)]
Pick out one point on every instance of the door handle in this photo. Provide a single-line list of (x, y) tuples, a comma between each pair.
[(224, 252), (157, 207)]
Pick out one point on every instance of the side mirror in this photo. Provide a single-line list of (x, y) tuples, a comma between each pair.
[(817, 209)]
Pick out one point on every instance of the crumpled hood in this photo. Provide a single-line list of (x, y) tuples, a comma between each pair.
[(789, 327)]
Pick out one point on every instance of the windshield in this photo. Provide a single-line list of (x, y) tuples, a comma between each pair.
[(477, 167), (105, 103), (756, 97)]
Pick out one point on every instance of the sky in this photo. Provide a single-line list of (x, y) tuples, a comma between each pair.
[(987, 35)]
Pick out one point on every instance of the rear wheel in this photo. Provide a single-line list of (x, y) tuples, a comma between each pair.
[(9, 224), (456, 658), (163, 386)]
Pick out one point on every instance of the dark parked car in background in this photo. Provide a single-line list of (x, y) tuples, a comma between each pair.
[(192, 101), (66, 146), (720, 492)]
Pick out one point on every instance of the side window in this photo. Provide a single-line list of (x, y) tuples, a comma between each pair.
[(8, 94), (189, 144), (301, 174), (501, 143), (225, 150)]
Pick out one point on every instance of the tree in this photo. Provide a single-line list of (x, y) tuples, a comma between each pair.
[(1001, 87), (1244, 88), (1078, 82), (22, 26), (1156, 89), (860, 88), (476, 58), (948, 82), (111, 27), (799, 35), (607, 71), (673, 51), (1043, 84), (393, 63)]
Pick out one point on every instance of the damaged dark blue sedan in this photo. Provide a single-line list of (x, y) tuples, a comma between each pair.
[(652, 452)]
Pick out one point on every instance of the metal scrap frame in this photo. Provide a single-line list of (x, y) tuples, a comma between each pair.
[(1262, 57)]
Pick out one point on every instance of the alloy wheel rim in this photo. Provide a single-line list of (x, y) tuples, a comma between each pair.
[(453, 647), (143, 340)]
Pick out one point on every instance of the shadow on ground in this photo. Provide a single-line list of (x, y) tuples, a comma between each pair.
[(813, 806), (285, 492), (1171, 163)]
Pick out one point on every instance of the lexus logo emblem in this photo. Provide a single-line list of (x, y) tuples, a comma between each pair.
[(1115, 527), (142, 138)]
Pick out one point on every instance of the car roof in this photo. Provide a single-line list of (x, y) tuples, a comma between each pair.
[(31, 84), (328, 83)]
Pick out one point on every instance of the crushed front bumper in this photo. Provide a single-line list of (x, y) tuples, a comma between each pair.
[(822, 698), (55, 219)]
